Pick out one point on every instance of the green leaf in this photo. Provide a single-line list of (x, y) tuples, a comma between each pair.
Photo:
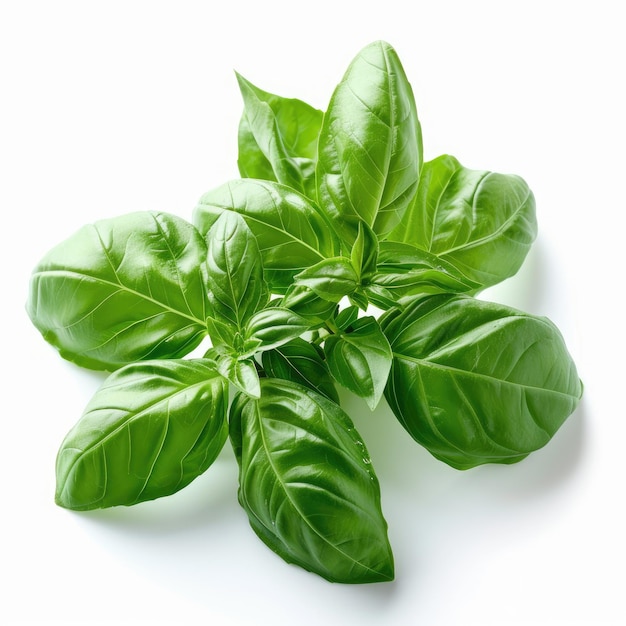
[(483, 223), (317, 503), (291, 232), (237, 288), (308, 305), (274, 326), (300, 362), (405, 270), (476, 382), (331, 279), (124, 289), (370, 149), (278, 138), (364, 253), (359, 358), (346, 317), (240, 371), (150, 429)]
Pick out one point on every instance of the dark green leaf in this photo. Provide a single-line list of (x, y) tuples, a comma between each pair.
[(278, 138), (291, 232), (307, 483), (300, 362), (476, 382), (370, 145), (481, 222), (331, 279), (151, 429), (360, 359), (237, 289), (124, 289)]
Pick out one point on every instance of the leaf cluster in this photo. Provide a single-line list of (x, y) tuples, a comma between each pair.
[(339, 258)]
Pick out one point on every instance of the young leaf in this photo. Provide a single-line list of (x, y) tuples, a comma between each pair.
[(370, 149), (278, 138), (274, 326), (405, 270), (124, 289), (364, 253), (360, 359), (481, 222), (317, 503), (291, 232), (300, 362), (476, 382), (306, 303), (241, 372), (150, 429), (331, 279), (235, 280)]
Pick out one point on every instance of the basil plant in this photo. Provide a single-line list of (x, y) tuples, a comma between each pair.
[(336, 216)]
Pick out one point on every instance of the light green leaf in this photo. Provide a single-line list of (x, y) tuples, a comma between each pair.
[(235, 271), (150, 429), (291, 232), (278, 138), (370, 149), (274, 326), (123, 289), (331, 279), (482, 223)]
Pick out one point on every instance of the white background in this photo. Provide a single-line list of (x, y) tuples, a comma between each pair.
[(111, 107)]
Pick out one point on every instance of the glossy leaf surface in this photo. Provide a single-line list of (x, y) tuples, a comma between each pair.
[(124, 289), (291, 232), (370, 145), (404, 270), (307, 483), (236, 284), (331, 279), (278, 138), (150, 430), (359, 358), (275, 326), (300, 362), (476, 382), (481, 222)]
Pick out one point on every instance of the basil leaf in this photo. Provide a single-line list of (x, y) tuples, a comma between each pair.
[(331, 279), (124, 289), (275, 326), (364, 253), (346, 317), (317, 503), (278, 138), (405, 270), (481, 222), (291, 232), (308, 305), (300, 362), (476, 382), (240, 371), (236, 285), (150, 429), (360, 359), (370, 150)]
